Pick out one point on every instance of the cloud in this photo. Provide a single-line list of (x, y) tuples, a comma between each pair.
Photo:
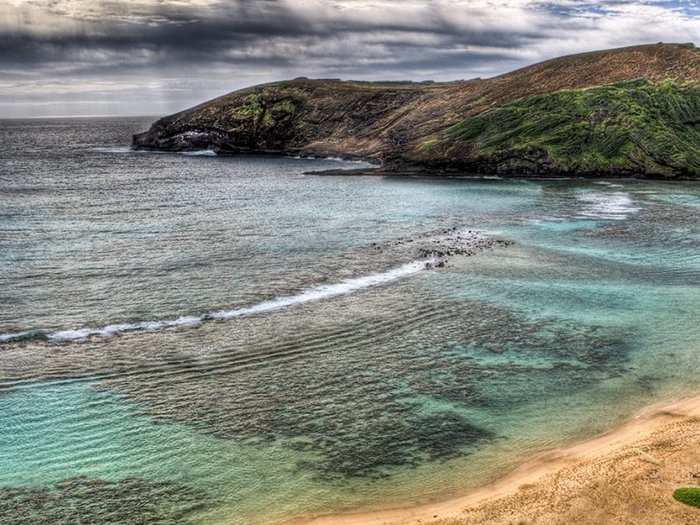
[(178, 53)]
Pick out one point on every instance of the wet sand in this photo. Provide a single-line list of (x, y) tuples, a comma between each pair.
[(625, 476)]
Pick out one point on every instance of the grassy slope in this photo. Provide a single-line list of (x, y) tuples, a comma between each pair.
[(624, 128)]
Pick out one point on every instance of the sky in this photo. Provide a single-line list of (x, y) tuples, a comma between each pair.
[(153, 57)]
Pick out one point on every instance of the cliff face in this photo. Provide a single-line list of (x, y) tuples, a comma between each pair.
[(632, 111), (325, 117)]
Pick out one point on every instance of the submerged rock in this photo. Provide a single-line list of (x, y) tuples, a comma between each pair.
[(85, 500)]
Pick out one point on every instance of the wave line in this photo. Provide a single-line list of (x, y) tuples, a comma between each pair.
[(316, 293)]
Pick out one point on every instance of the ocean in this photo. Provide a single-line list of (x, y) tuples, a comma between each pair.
[(188, 338)]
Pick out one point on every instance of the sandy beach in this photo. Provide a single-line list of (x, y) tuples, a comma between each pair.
[(626, 475)]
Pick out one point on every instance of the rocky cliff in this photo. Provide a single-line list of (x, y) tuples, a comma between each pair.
[(624, 112)]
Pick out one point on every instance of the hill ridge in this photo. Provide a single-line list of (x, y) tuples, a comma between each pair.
[(406, 125)]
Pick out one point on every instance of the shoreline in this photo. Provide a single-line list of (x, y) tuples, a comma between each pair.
[(378, 169), (440, 174), (533, 491)]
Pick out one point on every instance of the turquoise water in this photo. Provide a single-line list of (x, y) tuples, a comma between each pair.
[(193, 339)]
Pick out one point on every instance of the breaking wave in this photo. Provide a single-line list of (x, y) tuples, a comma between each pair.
[(316, 293), (614, 206), (200, 153)]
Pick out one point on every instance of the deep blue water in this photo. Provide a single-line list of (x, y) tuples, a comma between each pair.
[(241, 342)]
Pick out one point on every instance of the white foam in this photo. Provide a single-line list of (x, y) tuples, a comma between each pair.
[(326, 291), (609, 184), (200, 153), (116, 149), (124, 149), (317, 293), (128, 149), (116, 329), (596, 205), (608, 206), (358, 162), (348, 161)]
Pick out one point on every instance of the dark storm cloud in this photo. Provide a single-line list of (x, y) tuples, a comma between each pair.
[(267, 33), (177, 53)]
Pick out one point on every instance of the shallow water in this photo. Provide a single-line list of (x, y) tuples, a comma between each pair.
[(233, 341)]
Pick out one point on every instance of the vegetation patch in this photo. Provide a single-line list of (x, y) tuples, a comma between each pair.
[(264, 108), (428, 144), (251, 108), (284, 106), (688, 495), (628, 127)]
